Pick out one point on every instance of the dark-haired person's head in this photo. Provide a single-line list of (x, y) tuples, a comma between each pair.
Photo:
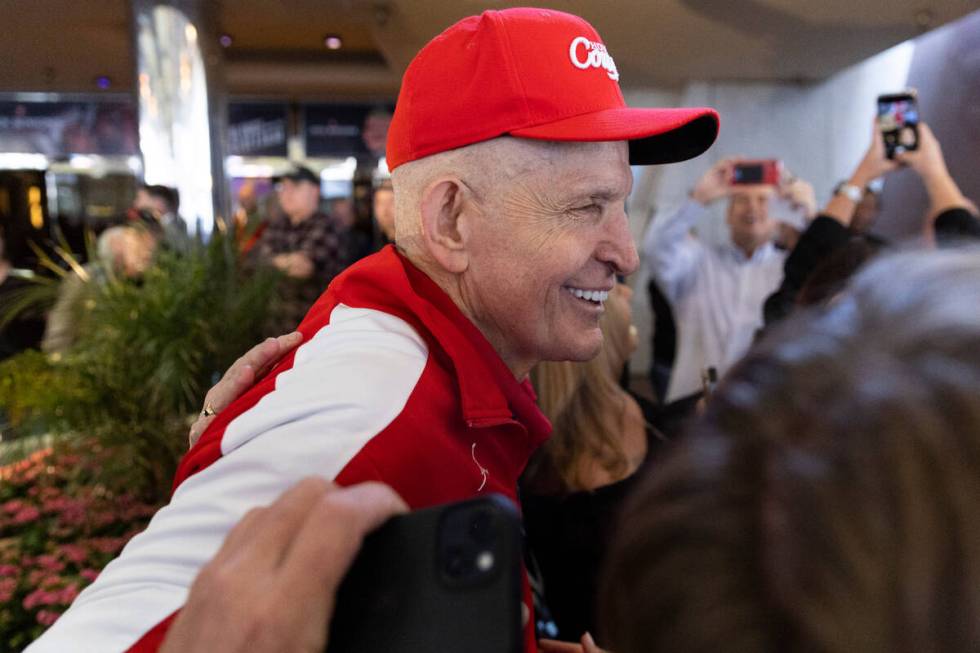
[(827, 500), (157, 200)]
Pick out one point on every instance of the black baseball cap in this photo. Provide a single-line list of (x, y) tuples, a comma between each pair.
[(298, 173)]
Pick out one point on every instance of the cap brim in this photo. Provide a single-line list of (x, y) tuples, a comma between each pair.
[(654, 135)]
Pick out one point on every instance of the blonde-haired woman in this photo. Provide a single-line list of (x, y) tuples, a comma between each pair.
[(574, 485)]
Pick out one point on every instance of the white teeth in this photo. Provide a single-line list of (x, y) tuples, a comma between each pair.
[(590, 295)]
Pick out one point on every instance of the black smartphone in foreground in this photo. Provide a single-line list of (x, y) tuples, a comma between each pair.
[(445, 579), (898, 121)]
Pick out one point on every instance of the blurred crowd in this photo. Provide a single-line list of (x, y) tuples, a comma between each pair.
[(293, 229)]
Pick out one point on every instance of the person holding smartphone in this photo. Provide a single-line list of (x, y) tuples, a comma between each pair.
[(717, 291), (823, 248)]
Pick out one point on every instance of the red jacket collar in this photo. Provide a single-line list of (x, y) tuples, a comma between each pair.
[(489, 393)]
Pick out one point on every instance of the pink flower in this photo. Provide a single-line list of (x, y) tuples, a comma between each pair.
[(68, 594), (101, 519), (73, 553), (40, 597), (26, 515), (89, 574), (48, 493), (55, 504), (47, 617), (108, 544), (7, 587), (12, 506), (9, 570), (70, 511), (50, 563), (39, 578)]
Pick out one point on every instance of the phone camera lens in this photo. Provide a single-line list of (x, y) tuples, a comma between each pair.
[(481, 528), (455, 562), (484, 561)]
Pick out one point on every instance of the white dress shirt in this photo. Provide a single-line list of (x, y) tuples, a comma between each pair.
[(716, 293)]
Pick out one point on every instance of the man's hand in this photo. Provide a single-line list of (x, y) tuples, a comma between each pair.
[(271, 587), (587, 645), (875, 163), (786, 236), (715, 183), (800, 195), (928, 159), (295, 264), (928, 162), (241, 376)]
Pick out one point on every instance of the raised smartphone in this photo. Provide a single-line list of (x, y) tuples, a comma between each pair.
[(445, 579), (898, 121)]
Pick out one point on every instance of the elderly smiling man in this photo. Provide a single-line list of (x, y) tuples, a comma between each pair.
[(510, 151)]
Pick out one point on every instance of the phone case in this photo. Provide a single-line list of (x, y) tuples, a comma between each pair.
[(898, 121), (408, 590), (763, 171)]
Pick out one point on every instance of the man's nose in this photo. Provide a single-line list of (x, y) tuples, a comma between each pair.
[(618, 249)]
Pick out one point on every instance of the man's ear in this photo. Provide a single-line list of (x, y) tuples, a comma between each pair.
[(444, 205)]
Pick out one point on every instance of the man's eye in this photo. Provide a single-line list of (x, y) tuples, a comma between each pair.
[(589, 208)]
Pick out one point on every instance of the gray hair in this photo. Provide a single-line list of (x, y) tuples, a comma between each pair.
[(483, 166), (106, 248)]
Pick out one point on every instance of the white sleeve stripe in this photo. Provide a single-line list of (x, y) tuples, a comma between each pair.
[(346, 385)]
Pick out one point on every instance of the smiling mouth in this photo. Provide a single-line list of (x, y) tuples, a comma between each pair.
[(594, 297)]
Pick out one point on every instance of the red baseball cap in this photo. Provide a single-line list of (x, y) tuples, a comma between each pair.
[(531, 73)]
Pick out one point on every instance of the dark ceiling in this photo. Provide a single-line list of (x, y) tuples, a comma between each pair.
[(278, 47)]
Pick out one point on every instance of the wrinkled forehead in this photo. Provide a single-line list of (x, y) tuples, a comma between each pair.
[(592, 169)]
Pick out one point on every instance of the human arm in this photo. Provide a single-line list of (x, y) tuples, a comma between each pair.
[(946, 201), (822, 237), (240, 377), (670, 251), (294, 264), (827, 232), (273, 583), (956, 225), (61, 328), (873, 165), (801, 196), (318, 415)]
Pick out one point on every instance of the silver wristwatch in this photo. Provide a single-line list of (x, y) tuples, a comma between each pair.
[(851, 192)]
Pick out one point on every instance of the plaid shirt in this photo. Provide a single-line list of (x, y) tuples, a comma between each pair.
[(324, 242)]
